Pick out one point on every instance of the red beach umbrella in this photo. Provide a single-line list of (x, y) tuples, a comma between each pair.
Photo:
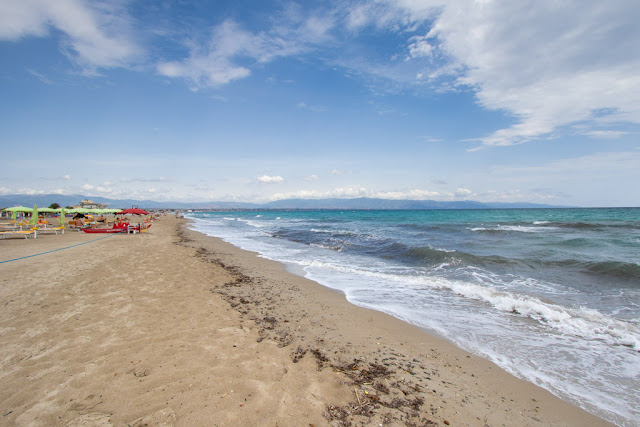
[(133, 211)]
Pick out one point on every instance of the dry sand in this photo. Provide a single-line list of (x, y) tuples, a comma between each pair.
[(172, 327)]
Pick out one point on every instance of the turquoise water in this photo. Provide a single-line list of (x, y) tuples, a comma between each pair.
[(551, 295)]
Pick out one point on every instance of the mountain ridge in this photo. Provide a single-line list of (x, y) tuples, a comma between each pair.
[(362, 203)]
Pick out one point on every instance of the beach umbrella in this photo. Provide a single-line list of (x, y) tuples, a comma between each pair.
[(47, 210), (62, 213), (78, 210), (15, 209), (133, 211), (18, 209), (34, 215)]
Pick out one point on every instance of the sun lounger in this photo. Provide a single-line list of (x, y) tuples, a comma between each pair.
[(25, 233), (23, 224), (57, 230), (138, 228)]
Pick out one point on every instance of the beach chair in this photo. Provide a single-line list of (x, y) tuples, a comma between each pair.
[(23, 224), (24, 233), (57, 230)]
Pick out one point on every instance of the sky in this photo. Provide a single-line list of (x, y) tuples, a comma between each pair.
[(260, 100)]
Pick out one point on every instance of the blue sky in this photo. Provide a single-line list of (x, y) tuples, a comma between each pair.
[(489, 100)]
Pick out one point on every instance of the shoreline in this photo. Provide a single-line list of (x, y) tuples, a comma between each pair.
[(383, 338), (176, 327)]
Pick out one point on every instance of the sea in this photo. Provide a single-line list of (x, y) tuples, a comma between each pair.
[(550, 295)]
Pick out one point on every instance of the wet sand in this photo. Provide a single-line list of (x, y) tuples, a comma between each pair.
[(179, 328)]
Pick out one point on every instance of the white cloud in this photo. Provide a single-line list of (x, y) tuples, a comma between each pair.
[(544, 64), (312, 178), (213, 63), (463, 192), (337, 172), (314, 108), (358, 17), (344, 192), (66, 177), (350, 192), (358, 191), (132, 180), (40, 77), (270, 179), (29, 191), (431, 139), (419, 47), (22, 18), (408, 195), (217, 61), (547, 64), (87, 187), (95, 35), (606, 134)]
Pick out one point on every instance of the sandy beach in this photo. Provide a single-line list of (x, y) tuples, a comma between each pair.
[(172, 327)]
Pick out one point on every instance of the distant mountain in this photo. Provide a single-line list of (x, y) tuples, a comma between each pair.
[(70, 200), (45, 200), (382, 204)]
